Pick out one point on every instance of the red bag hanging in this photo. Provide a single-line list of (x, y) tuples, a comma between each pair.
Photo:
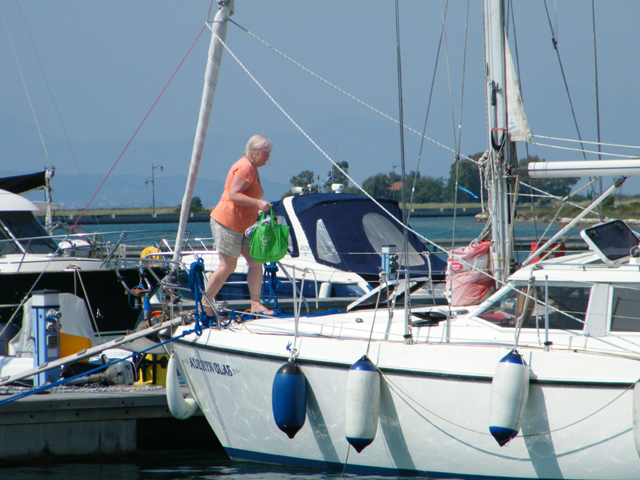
[(466, 285)]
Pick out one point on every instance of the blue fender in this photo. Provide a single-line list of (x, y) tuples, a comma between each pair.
[(289, 399)]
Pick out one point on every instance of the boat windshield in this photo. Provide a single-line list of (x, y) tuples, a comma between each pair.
[(24, 227), (625, 308), (326, 249), (7, 245), (380, 231), (567, 307)]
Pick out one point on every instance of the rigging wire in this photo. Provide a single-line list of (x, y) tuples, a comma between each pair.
[(526, 144), (569, 140), (424, 129), (455, 140), (564, 78), (458, 142), (595, 63), (583, 151), (562, 199), (352, 97), (400, 108), (126, 147), (24, 84), (565, 201), (426, 119), (304, 133), (53, 101), (383, 279), (86, 298)]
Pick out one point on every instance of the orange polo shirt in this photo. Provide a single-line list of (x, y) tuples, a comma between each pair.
[(234, 216)]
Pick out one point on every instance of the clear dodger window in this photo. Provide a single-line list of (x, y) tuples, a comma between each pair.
[(326, 249), (380, 231)]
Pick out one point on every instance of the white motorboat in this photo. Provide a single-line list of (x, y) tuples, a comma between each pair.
[(31, 259)]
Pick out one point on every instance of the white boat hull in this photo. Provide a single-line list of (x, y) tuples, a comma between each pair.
[(434, 408)]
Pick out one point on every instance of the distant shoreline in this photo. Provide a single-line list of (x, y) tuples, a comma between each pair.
[(144, 216), (123, 219)]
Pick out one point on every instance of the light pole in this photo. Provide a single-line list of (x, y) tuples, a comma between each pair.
[(153, 186), (393, 192)]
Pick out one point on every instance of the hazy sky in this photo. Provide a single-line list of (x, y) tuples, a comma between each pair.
[(106, 62)]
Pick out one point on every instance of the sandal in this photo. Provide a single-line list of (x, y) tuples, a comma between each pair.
[(218, 306), (266, 313)]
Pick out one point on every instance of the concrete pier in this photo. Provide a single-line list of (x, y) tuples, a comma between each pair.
[(85, 422)]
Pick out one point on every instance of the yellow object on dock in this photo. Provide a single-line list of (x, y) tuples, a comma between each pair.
[(71, 344), (153, 370)]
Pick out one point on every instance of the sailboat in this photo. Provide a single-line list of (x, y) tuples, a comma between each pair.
[(538, 381)]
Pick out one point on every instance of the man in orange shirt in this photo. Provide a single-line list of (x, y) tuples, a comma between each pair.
[(237, 210)]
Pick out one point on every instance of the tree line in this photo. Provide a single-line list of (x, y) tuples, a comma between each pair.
[(470, 187)]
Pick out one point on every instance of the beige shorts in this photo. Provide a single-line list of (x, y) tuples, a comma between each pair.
[(227, 241)]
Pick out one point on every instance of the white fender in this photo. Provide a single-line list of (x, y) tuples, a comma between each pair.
[(180, 407), (509, 395), (362, 403)]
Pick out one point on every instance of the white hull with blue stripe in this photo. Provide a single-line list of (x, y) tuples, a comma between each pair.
[(574, 320), (434, 410)]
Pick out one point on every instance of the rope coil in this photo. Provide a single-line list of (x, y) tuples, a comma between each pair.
[(196, 285), (270, 280)]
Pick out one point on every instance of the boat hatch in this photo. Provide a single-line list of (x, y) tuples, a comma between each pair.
[(611, 241)]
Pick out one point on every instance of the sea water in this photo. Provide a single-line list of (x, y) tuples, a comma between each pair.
[(175, 465), (438, 228), (170, 465), (437, 232)]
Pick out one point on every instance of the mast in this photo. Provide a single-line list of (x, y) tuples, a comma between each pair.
[(49, 173), (216, 47), (501, 149)]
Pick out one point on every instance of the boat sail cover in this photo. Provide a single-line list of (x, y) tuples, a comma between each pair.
[(347, 232), (24, 183), (519, 130)]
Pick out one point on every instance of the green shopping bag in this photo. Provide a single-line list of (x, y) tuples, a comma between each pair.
[(269, 242)]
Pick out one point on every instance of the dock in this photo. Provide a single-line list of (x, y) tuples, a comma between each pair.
[(73, 423)]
